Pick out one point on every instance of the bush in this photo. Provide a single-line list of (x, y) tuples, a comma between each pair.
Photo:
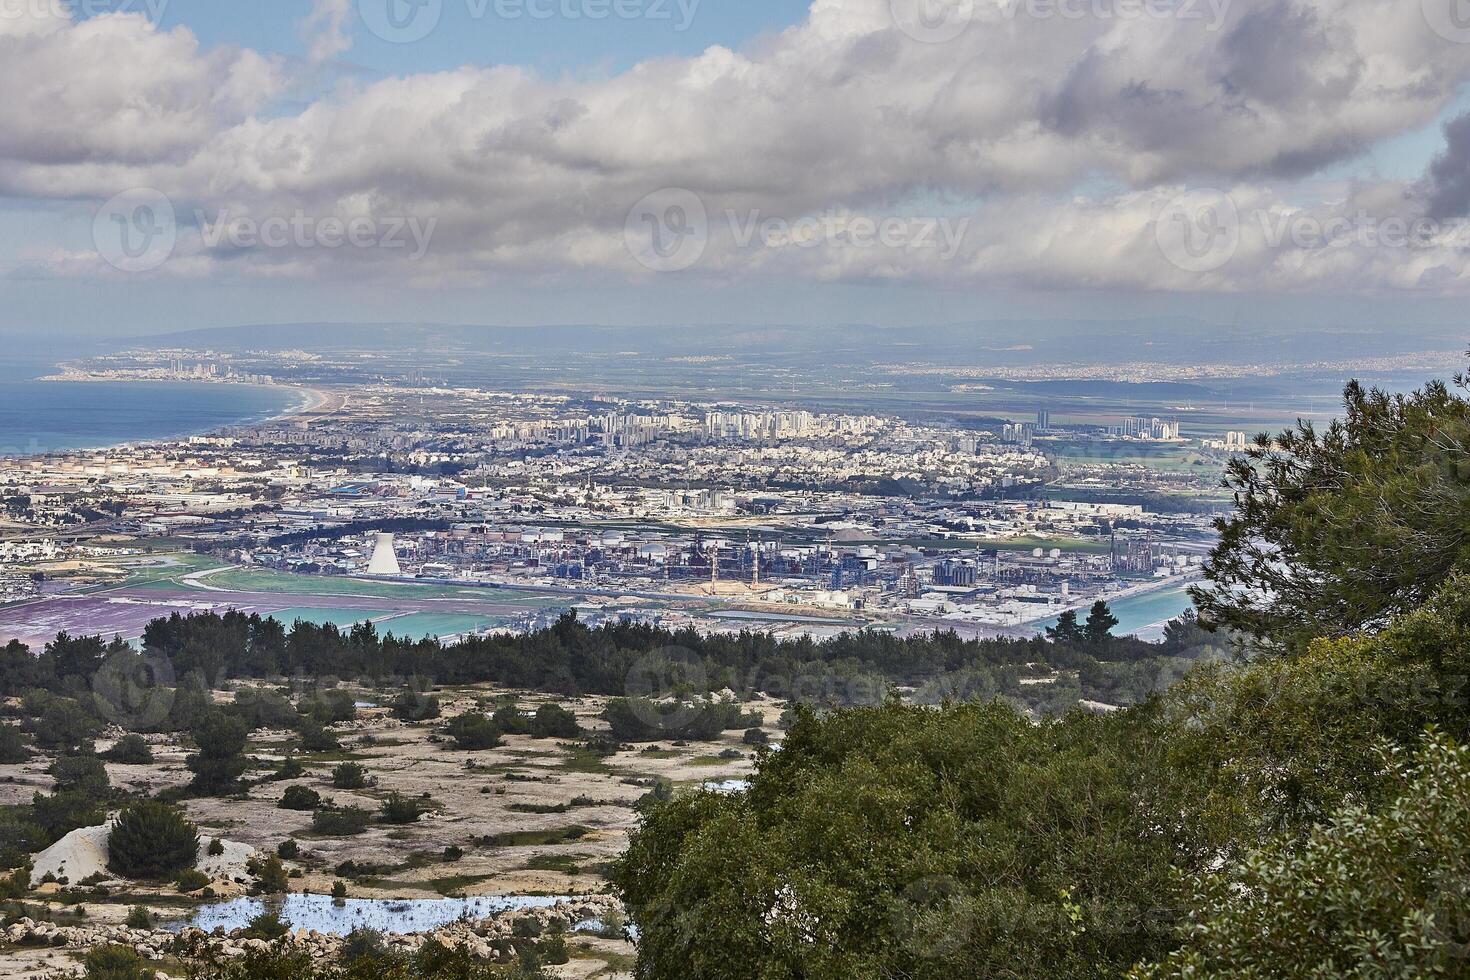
[(511, 720), (1365, 894), (216, 848), (13, 750), (288, 849), (267, 926), (115, 963), (331, 707), (300, 798), (152, 840), (290, 768), (271, 878), (363, 944), (453, 854), (755, 736), (61, 813), (644, 720), (554, 721), (349, 775), (82, 773), (220, 761), (315, 737), (264, 709), (414, 706), (191, 880), (473, 732), (130, 750), (335, 821), (397, 809), (339, 889), (139, 918)]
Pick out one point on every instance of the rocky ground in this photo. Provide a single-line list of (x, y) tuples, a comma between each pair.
[(533, 817)]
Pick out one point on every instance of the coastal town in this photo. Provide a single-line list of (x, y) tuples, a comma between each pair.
[(475, 510)]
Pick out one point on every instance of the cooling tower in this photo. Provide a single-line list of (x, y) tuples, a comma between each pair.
[(384, 560)]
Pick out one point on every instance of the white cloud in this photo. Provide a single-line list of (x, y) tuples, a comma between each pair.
[(529, 177), (325, 29)]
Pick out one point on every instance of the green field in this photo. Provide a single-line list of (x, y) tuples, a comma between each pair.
[(343, 619)]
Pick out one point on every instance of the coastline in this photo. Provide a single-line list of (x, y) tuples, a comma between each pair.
[(300, 400)]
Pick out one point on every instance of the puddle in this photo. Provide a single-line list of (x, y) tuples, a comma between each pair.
[(338, 917), (728, 786)]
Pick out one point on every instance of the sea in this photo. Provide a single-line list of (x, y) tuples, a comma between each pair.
[(1143, 615), (46, 416)]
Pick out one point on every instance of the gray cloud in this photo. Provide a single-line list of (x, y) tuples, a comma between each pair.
[(530, 177)]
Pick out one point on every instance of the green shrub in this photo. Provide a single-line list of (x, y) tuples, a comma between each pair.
[(191, 880), (267, 926), (315, 737), (152, 840), (216, 847), (115, 963), (83, 773), (473, 732), (139, 918), (349, 775), (554, 721), (13, 749), (339, 889), (363, 944), (414, 706), (339, 821), (220, 761), (288, 849), (270, 874), (130, 750), (300, 798), (397, 809)]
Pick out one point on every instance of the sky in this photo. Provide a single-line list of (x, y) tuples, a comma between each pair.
[(173, 164)]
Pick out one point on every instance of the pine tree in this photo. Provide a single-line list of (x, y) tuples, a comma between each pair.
[(152, 840), (1100, 623)]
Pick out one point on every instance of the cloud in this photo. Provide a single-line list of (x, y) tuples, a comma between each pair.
[(1449, 174), (841, 118), (325, 29)]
